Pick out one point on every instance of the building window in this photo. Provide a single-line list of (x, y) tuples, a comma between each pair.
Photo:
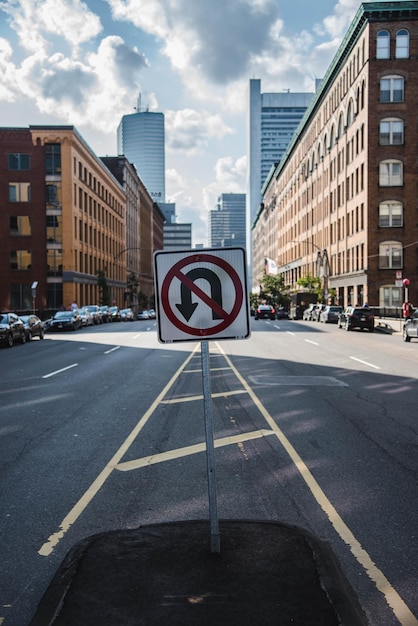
[(19, 192), (350, 113), (402, 44), (53, 196), (390, 174), (54, 262), (54, 229), (391, 132), (390, 255), (19, 225), (383, 44), (390, 214), (20, 296), (20, 259), (19, 161), (390, 296), (392, 89), (52, 159)]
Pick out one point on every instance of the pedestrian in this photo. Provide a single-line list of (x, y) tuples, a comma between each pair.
[(406, 310), (74, 306)]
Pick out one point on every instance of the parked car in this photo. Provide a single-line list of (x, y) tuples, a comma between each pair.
[(316, 313), (151, 314), (265, 311), (127, 315), (12, 329), (106, 316), (282, 313), (33, 326), (65, 320), (142, 315), (86, 317), (114, 314), (410, 328), (356, 317), (307, 314), (96, 312), (330, 314)]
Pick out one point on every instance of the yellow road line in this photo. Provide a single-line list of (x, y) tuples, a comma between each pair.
[(224, 394), (189, 450), (393, 599), (96, 485)]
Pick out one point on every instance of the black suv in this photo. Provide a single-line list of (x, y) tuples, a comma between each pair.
[(356, 317), (12, 329)]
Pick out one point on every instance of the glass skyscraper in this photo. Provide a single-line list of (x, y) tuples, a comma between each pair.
[(227, 221), (272, 121), (141, 138)]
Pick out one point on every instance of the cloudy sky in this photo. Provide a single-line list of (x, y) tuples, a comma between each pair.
[(85, 64)]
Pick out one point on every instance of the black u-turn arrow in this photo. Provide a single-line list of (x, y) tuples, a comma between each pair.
[(187, 307)]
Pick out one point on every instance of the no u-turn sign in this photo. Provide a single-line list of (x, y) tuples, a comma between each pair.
[(202, 294)]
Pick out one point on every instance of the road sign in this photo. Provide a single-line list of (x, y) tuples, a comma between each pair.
[(201, 294)]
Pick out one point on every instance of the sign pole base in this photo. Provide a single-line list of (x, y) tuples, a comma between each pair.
[(210, 449)]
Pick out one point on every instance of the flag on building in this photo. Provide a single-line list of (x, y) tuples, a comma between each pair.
[(270, 267)]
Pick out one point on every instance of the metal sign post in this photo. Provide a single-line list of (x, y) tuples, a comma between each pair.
[(210, 449), (203, 295)]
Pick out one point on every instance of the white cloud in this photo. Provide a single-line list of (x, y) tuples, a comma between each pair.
[(36, 21), (191, 131)]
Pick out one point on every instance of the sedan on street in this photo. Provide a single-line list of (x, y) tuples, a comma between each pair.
[(65, 320), (265, 312), (410, 328), (127, 315), (330, 314), (33, 327)]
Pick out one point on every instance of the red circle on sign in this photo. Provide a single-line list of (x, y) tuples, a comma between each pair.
[(175, 272)]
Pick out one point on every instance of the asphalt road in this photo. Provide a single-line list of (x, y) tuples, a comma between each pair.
[(103, 429)]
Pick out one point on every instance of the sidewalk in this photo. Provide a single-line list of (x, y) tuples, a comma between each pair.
[(266, 574)]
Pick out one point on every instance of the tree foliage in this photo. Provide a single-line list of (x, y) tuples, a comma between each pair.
[(273, 290), (103, 287)]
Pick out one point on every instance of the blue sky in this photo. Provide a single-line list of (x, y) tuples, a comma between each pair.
[(85, 63)]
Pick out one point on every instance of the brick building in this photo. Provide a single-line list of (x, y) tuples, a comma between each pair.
[(342, 203), (144, 225), (63, 220)]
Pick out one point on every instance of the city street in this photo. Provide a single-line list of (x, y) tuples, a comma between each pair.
[(103, 429)]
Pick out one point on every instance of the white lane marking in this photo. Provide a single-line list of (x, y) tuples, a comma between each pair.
[(376, 367), (112, 349), (53, 540), (64, 369), (278, 327), (314, 343)]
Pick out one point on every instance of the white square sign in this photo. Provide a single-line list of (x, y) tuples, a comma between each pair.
[(201, 294)]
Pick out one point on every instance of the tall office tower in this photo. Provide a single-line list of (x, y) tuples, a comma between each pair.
[(272, 121), (227, 221), (141, 138)]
